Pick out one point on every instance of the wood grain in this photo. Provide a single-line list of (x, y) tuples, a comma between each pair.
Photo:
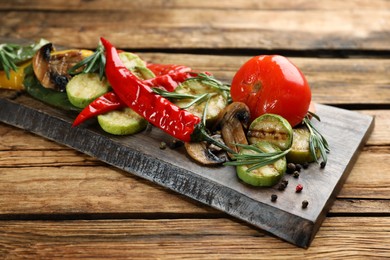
[(202, 26), (121, 5), (216, 187), (187, 239), (120, 216)]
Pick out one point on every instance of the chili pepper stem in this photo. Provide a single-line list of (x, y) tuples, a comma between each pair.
[(200, 134)]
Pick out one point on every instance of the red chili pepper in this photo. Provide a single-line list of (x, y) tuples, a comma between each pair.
[(168, 82), (158, 110), (163, 69), (140, 97), (101, 105), (110, 101)]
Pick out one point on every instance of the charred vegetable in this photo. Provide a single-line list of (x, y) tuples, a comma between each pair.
[(51, 68), (233, 121)]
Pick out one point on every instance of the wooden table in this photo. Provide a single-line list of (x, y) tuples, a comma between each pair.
[(58, 203)]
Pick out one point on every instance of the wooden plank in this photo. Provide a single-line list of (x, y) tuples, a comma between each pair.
[(218, 188), (21, 190), (196, 28), (125, 5), (108, 191), (339, 237), (361, 207)]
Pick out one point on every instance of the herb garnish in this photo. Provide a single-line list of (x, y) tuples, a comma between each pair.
[(317, 141), (94, 63), (196, 98), (256, 160), (13, 54)]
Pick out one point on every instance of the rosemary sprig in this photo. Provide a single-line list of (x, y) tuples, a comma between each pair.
[(257, 159), (94, 63), (7, 57), (317, 141), (214, 83), (196, 99), (13, 54), (211, 81)]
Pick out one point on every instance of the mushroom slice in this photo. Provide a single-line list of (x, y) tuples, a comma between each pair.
[(205, 153), (233, 120), (51, 68)]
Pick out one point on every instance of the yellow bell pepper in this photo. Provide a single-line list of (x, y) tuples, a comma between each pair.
[(15, 80)]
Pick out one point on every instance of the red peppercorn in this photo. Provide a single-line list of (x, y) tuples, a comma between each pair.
[(299, 188)]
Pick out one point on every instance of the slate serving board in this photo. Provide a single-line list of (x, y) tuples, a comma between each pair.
[(218, 187)]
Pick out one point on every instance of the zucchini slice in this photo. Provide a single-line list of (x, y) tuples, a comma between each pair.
[(271, 128), (267, 175), (218, 98), (136, 65), (300, 151), (82, 89), (122, 122)]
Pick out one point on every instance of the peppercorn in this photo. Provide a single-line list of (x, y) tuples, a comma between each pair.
[(305, 165), (322, 165), (304, 204), (175, 144), (290, 167), (298, 167), (282, 186), (285, 182), (274, 197), (299, 188), (296, 174), (163, 145)]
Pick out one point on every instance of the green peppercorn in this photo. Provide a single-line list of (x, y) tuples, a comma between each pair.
[(163, 145)]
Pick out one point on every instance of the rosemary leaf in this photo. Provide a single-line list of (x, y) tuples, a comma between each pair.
[(317, 141), (13, 54), (91, 64), (256, 160)]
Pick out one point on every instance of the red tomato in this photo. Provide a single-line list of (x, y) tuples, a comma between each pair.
[(272, 84)]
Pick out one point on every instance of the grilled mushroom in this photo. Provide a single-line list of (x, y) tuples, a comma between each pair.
[(233, 120), (51, 68), (205, 153)]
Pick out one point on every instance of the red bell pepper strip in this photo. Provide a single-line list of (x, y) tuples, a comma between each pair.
[(156, 109), (101, 105)]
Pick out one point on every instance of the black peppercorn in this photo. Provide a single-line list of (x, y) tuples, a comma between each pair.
[(290, 167), (305, 165), (322, 165), (274, 197), (298, 167), (282, 186), (304, 204), (296, 174)]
